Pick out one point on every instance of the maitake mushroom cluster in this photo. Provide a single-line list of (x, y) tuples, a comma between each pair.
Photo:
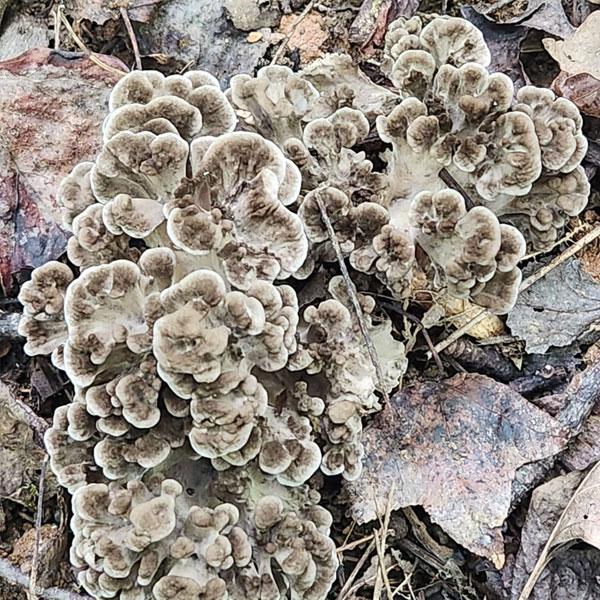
[(205, 397)]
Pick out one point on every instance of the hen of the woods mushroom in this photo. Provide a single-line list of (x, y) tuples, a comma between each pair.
[(205, 398)]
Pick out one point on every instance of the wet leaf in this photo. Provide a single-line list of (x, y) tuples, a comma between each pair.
[(579, 521), (453, 447), (557, 309), (584, 450), (51, 108)]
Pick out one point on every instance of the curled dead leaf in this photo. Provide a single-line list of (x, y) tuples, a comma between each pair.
[(580, 521)]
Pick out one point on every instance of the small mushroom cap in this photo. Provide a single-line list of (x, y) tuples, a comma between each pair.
[(558, 126)]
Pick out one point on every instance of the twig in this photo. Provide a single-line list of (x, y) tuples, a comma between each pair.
[(527, 283), (38, 532), (24, 412), (14, 576), (454, 185), (292, 31), (562, 240), (87, 52), (9, 323), (355, 543), (354, 299), (56, 15), (133, 39)]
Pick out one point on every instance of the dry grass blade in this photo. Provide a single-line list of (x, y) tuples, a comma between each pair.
[(345, 592), (579, 521), (132, 38), (527, 283), (33, 591), (380, 546), (85, 50), (354, 299)]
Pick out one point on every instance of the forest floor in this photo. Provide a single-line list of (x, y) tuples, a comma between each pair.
[(554, 363)]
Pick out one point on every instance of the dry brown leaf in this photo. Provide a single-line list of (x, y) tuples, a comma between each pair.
[(51, 109), (453, 447), (582, 89), (580, 52), (556, 309), (580, 521)]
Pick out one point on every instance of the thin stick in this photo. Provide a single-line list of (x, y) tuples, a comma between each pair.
[(38, 532), (292, 31), (359, 565), (527, 283), (355, 543), (454, 185), (353, 298), (133, 39), (85, 50)]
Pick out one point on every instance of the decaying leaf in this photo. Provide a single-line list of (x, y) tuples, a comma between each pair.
[(557, 309), (51, 108), (100, 11), (186, 33), (546, 15), (582, 89), (20, 457), (453, 447), (579, 521), (579, 53), (573, 573)]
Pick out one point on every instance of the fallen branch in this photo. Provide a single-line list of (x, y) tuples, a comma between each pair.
[(15, 576), (578, 401)]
